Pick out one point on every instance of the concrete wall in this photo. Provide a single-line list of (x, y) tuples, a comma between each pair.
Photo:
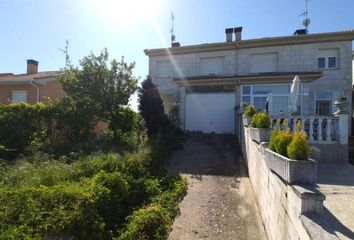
[(284, 208)]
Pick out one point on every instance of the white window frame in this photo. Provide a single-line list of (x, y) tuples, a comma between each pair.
[(270, 103), (19, 91), (326, 56)]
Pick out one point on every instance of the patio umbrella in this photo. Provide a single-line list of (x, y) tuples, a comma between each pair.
[(294, 94)]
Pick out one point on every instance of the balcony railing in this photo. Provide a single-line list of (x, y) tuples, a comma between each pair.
[(320, 129)]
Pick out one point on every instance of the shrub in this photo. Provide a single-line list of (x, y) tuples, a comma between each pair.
[(280, 140), (299, 148), (151, 107), (147, 223), (250, 110), (261, 120)]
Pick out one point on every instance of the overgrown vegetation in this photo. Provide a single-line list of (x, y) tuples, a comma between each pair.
[(105, 86), (62, 180)]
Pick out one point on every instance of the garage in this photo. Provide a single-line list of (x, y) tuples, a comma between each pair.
[(210, 112)]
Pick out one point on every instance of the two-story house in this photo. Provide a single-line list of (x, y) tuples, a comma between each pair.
[(31, 87), (209, 82)]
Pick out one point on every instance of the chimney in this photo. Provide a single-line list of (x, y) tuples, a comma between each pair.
[(300, 32), (228, 32), (175, 44), (238, 31), (32, 66)]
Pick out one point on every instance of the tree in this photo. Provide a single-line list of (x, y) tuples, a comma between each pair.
[(151, 107), (105, 86)]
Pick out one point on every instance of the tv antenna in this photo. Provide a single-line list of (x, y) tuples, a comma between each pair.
[(306, 22), (173, 36), (66, 52)]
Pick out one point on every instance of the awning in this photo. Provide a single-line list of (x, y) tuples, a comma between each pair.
[(259, 78)]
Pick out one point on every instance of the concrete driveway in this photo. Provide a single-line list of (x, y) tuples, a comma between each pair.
[(220, 203)]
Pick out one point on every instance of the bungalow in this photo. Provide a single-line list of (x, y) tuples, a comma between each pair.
[(209, 82), (31, 87)]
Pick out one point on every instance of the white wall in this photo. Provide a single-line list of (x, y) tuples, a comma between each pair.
[(291, 58), (283, 209)]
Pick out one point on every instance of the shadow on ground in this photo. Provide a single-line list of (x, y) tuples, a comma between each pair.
[(330, 223), (209, 154)]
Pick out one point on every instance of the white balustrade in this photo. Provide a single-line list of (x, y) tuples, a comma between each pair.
[(320, 129)]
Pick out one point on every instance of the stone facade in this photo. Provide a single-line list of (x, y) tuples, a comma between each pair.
[(287, 210), (299, 56)]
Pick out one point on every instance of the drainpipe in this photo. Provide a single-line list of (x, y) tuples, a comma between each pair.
[(37, 87)]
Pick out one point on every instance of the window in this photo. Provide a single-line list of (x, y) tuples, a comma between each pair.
[(272, 97), (211, 65), (260, 103), (328, 58), (331, 62), (324, 101), (19, 96), (321, 62), (323, 107), (264, 62), (246, 94)]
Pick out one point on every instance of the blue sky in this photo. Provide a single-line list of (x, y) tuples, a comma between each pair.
[(37, 28)]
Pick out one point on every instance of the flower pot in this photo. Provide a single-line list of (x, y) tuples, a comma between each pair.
[(291, 171), (246, 121), (340, 105), (260, 134)]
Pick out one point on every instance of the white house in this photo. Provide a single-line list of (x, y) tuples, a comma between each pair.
[(208, 82)]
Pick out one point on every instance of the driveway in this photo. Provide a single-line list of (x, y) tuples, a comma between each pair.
[(220, 203)]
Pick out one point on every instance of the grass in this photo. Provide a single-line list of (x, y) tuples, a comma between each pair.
[(100, 196)]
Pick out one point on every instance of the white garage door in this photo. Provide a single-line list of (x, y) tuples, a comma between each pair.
[(210, 112)]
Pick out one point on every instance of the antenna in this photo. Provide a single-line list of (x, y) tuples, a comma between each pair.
[(66, 52), (173, 37), (306, 22)]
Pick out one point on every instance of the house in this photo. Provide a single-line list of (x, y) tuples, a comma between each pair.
[(31, 87), (209, 82)]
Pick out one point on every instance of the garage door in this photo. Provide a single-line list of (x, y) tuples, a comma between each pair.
[(210, 112)]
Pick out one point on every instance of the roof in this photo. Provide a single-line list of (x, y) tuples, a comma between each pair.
[(273, 77), (253, 43), (10, 78)]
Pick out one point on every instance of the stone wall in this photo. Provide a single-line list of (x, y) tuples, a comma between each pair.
[(284, 208)]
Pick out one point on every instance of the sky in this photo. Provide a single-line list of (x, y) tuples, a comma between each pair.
[(35, 29)]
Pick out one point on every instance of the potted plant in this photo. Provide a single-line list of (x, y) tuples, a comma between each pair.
[(249, 112), (288, 156), (259, 130), (340, 104)]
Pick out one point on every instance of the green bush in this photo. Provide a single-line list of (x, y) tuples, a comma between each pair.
[(250, 110), (100, 196), (155, 220), (280, 140), (299, 148), (147, 223), (261, 120)]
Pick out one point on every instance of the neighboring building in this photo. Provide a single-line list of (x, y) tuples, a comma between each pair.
[(31, 87), (208, 82)]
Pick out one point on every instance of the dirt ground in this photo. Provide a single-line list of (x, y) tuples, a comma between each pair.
[(220, 203)]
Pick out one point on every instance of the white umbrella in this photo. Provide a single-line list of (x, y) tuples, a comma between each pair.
[(294, 94)]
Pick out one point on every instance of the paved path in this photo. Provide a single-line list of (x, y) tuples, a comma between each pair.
[(336, 181), (219, 203)]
